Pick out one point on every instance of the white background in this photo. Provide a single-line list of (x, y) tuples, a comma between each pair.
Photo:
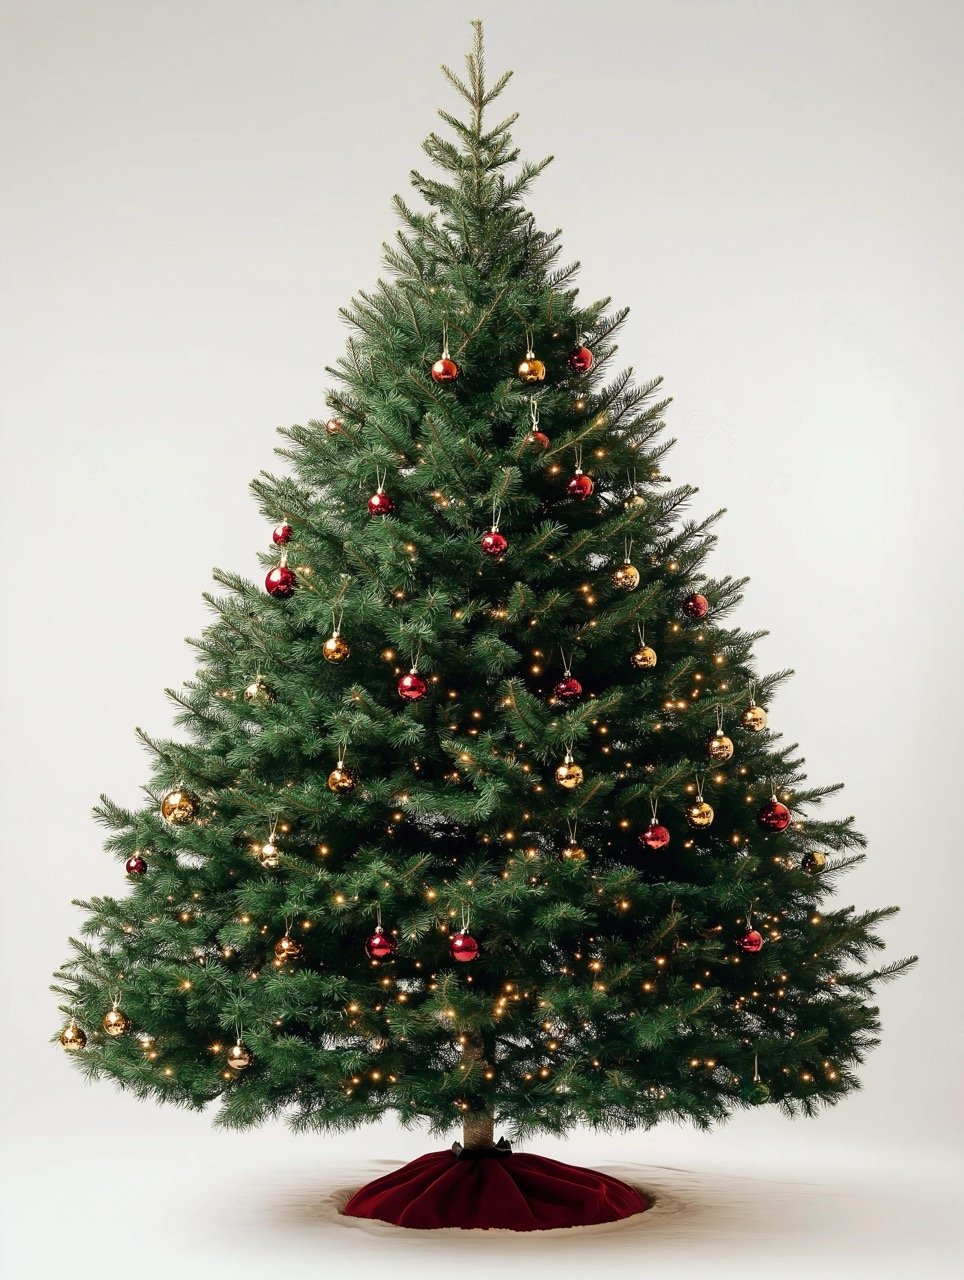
[(190, 190)]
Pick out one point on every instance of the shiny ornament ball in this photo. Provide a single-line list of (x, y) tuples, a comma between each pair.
[(626, 577), (568, 688), (644, 658), (538, 438), (269, 855), (179, 807), (259, 693), (494, 543), (282, 533), (580, 486), (116, 1022), (696, 606), (445, 370), (281, 582), (574, 852), (756, 1092), (73, 1038), (286, 949), (720, 747), (334, 426), (380, 946), (813, 861), (699, 814), (634, 502), (335, 649), (580, 360), (751, 942), (754, 718), (380, 504), (654, 837), (463, 947), (531, 370), (570, 775), (774, 816), (240, 1056), (412, 688), (342, 779), (135, 865)]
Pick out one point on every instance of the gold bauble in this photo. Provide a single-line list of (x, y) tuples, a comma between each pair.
[(626, 577), (574, 853), (699, 814), (634, 501), (304, 570), (240, 1056), (258, 692), (644, 658), (570, 775), (335, 649), (813, 860), (116, 1022), (754, 718), (269, 855), (334, 426), (531, 370), (720, 747), (179, 807), (342, 779), (287, 949), (73, 1038)]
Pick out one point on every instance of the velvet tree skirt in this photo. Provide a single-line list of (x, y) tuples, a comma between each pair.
[(494, 1188)]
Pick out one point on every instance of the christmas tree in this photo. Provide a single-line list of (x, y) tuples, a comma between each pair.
[(477, 817)]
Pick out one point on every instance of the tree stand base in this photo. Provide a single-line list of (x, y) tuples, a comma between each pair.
[(494, 1189)]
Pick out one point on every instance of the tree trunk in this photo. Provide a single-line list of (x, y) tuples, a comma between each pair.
[(478, 1127)]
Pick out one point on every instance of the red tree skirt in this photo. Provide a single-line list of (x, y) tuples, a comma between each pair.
[(512, 1192)]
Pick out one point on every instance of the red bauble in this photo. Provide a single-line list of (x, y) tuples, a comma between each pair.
[(580, 486), (412, 687), (540, 438), (380, 504), (751, 942), (463, 947), (281, 582), (282, 533), (654, 837), (380, 946), (494, 543), (568, 689), (135, 865), (774, 816), (580, 360), (696, 606), (445, 370)]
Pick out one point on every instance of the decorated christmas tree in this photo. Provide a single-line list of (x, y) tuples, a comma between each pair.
[(480, 816)]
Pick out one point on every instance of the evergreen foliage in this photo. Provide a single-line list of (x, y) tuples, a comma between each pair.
[(609, 990)]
